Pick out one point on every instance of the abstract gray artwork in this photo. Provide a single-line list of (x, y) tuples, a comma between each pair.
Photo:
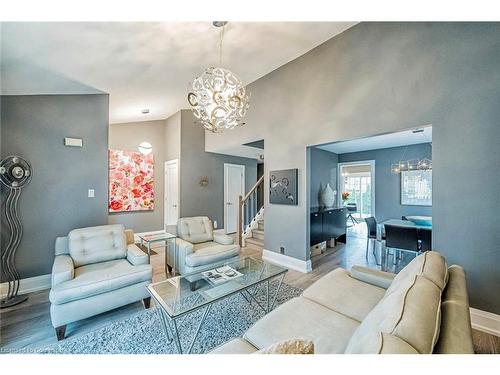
[(283, 187)]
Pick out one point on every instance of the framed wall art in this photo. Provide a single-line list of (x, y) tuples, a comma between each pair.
[(416, 188), (131, 181), (283, 187)]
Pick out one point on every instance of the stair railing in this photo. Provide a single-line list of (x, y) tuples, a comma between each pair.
[(247, 208)]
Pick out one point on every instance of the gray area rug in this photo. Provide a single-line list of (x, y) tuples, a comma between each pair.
[(143, 333)]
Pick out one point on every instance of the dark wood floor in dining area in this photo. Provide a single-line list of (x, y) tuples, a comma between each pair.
[(27, 326)]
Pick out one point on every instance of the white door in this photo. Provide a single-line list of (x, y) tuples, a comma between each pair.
[(171, 192), (234, 186)]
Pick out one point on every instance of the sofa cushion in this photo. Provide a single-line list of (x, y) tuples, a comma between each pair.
[(99, 278), (412, 314), (455, 335), (235, 346), (381, 343), (340, 292), (97, 244), (430, 265), (210, 252), (302, 318), (195, 229)]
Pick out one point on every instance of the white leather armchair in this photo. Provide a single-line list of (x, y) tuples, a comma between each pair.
[(96, 270), (199, 247)]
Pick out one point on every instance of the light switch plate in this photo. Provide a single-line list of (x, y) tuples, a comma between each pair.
[(91, 193), (73, 142)]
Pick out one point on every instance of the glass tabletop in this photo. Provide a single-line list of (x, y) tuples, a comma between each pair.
[(177, 298), (405, 223), (157, 237)]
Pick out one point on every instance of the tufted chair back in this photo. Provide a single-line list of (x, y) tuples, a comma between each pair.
[(195, 229), (97, 244)]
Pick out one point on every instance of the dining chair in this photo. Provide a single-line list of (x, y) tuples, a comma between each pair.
[(371, 225), (351, 208), (425, 239), (400, 239)]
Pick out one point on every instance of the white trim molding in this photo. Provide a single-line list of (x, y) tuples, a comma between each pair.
[(286, 261), (485, 321), (29, 285)]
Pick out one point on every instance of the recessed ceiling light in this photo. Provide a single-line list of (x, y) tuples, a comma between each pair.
[(145, 111)]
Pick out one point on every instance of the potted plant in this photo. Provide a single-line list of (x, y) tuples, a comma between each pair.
[(345, 196)]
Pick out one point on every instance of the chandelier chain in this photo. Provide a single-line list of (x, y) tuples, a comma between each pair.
[(221, 37)]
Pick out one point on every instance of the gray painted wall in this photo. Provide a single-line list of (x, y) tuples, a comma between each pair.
[(384, 77), (128, 137), (195, 163), (323, 169), (388, 185), (55, 201), (173, 137)]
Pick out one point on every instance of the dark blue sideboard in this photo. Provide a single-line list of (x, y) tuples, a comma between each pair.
[(327, 224)]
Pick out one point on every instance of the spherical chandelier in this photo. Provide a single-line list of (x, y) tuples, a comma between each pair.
[(218, 97)]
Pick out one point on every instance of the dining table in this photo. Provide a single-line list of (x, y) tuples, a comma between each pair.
[(399, 223)]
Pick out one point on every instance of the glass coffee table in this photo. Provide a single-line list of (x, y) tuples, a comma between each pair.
[(175, 298), (168, 239)]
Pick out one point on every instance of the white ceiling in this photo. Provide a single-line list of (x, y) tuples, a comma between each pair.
[(402, 138), (145, 65)]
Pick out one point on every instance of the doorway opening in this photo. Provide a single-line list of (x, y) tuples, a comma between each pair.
[(357, 181), (171, 193), (234, 187)]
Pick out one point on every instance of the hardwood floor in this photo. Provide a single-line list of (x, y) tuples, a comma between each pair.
[(28, 327)]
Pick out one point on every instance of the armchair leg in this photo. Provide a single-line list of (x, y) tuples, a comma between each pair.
[(192, 286), (60, 332), (146, 302)]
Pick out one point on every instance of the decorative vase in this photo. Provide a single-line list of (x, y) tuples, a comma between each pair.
[(328, 196)]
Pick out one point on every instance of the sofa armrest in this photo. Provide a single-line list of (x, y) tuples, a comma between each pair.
[(136, 256), (183, 247), (372, 276), (223, 239), (63, 269), (129, 236)]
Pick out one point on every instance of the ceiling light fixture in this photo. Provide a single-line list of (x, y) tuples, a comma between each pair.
[(218, 98), (413, 164)]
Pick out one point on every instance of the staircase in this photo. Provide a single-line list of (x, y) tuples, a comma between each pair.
[(250, 218), (257, 236)]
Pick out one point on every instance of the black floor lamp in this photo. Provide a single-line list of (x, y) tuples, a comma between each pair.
[(15, 173)]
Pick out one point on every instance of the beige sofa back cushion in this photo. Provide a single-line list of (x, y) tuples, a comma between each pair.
[(430, 265), (195, 229), (411, 313), (97, 244), (456, 332)]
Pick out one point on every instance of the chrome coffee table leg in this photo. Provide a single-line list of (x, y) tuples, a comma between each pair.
[(277, 291)]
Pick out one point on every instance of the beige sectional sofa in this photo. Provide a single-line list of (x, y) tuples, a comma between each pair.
[(423, 309)]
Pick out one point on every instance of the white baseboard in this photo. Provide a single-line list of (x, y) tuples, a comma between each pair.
[(31, 284), (286, 261), (485, 321)]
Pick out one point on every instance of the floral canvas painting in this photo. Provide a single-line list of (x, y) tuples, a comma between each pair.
[(131, 181)]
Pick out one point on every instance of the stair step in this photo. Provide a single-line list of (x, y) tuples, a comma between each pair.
[(259, 234), (260, 224), (254, 242)]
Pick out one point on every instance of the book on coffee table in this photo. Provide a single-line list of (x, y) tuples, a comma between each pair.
[(220, 275)]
